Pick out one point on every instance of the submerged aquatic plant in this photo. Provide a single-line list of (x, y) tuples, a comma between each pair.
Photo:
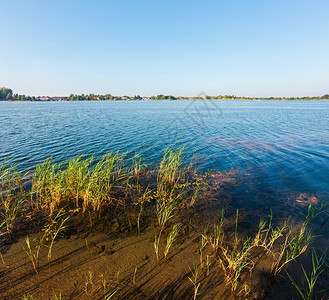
[(267, 235), (171, 237), (89, 282), (27, 297), (165, 212), (313, 212), (204, 243), (297, 240), (237, 255), (215, 238), (134, 277), (145, 198), (156, 246), (54, 229), (83, 185), (194, 280), (171, 189), (234, 260), (307, 291), (200, 183), (32, 256), (294, 245), (233, 256), (57, 297), (12, 196)]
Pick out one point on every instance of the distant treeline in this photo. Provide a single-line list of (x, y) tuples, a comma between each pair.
[(7, 94)]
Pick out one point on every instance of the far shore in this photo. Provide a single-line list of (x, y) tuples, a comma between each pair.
[(9, 95), (222, 99)]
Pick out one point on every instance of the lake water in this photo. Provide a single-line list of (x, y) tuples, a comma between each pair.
[(283, 146)]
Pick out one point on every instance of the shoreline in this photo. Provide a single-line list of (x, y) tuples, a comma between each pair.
[(262, 100), (118, 233)]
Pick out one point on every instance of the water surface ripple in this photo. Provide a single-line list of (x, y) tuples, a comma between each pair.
[(285, 144)]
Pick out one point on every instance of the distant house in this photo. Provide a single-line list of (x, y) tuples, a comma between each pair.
[(43, 98), (60, 98)]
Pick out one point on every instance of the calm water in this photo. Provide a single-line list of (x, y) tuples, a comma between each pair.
[(283, 145)]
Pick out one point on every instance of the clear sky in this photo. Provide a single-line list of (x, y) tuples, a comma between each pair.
[(240, 47)]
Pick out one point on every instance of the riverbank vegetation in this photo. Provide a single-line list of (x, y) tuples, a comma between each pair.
[(115, 229), (7, 94)]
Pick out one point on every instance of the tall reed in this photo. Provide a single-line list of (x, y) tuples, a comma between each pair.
[(104, 177), (79, 183), (171, 189), (170, 165), (12, 196), (48, 186)]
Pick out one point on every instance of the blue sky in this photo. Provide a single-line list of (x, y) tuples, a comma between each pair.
[(250, 48)]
